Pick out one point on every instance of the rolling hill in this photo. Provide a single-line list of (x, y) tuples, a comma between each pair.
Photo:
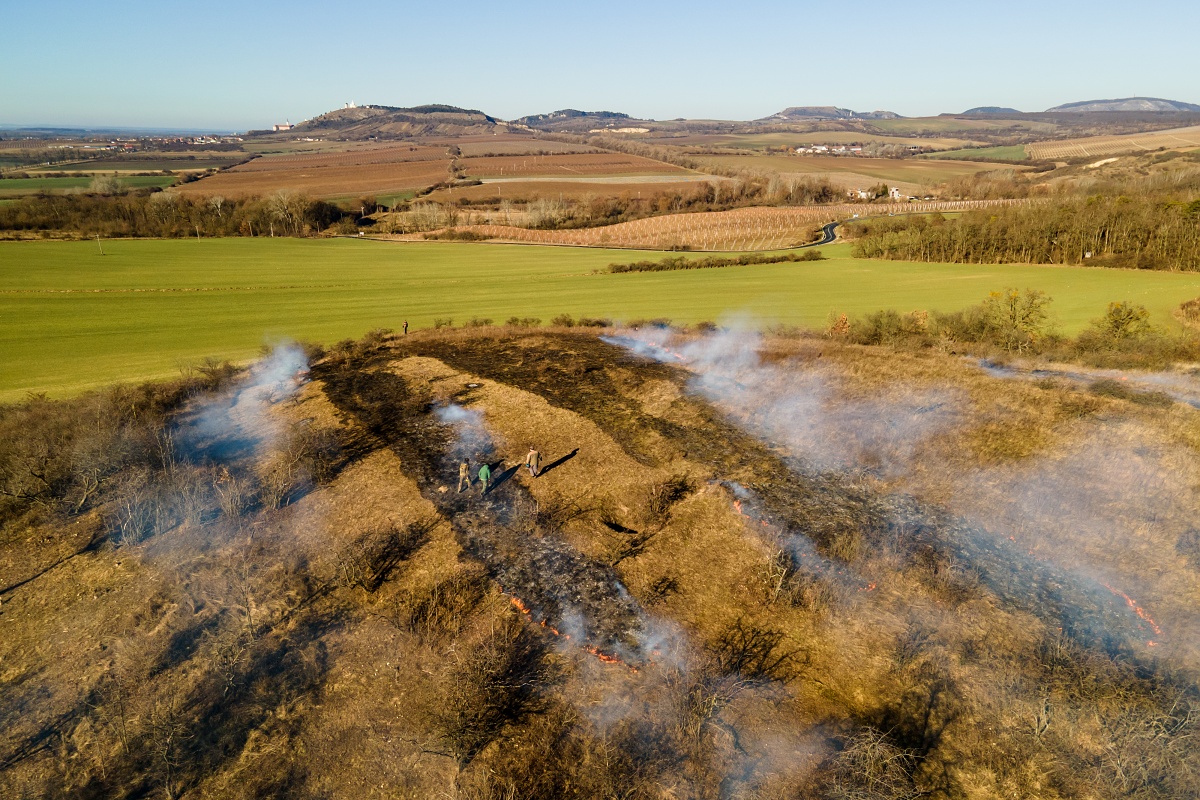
[(387, 122), (1134, 104)]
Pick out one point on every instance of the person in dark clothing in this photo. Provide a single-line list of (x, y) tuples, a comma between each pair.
[(406, 327)]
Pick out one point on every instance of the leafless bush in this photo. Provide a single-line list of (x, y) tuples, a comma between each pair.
[(754, 651), (871, 767), (310, 455), (368, 560), (660, 497), (444, 609), (492, 682)]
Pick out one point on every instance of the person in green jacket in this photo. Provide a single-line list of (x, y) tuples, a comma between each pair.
[(485, 478)]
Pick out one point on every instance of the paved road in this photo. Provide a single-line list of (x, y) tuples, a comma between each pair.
[(828, 235)]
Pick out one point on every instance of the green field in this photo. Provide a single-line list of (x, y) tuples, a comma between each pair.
[(70, 318), (18, 187), (1014, 152)]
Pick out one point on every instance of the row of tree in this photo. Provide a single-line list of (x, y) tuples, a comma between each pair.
[(1147, 231), (170, 215)]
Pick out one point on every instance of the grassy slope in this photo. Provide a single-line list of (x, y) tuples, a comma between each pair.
[(13, 187), (1014, 152), (253, 291)]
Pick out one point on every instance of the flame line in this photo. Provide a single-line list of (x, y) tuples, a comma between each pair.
[(600, 655), (1136, 609)]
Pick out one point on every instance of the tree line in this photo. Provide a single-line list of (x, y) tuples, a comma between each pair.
[(1143, 230), (169, 215)]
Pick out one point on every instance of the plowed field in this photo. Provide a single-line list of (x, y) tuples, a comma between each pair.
[(399, 168)]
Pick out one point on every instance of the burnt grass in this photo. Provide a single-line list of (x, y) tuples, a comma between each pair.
[(213, 685), (522, 552), (578, 372)]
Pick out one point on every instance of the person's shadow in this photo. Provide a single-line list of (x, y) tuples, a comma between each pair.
[(558, 463)]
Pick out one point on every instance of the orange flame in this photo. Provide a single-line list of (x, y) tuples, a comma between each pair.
[(870, 587), (737, 506), (1136, 609), (604, 657)]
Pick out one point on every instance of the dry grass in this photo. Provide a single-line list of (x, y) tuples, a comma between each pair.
[(793, 625)]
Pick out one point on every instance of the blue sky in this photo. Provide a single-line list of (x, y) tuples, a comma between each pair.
[(223, 65)]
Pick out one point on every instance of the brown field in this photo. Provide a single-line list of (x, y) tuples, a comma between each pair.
[(757, 141), (910, 175), (1173, 139), (756, 228), (322, 181), (579, 188), (391, 168)]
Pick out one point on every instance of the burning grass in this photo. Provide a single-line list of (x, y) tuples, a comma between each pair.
[(749, 568)]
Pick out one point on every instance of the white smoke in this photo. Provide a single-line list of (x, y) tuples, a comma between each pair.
[(240, 419), (804, 408), (472, 440)]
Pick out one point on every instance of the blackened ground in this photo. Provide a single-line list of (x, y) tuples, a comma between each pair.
[(579, 372), (521, 551)]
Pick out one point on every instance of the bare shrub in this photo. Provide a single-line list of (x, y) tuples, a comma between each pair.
[(752, 650), (660, 497), (309, 455), (493, 681), (443, 609), (871, 767), (368, 560)]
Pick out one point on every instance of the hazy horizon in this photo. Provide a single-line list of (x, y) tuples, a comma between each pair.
[(227, 67)]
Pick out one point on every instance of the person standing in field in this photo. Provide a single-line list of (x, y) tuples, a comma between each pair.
[(406, 327), (485, 478), (464, 475), (533, 460)]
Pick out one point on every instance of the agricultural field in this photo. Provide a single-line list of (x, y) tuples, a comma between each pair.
[(150, 162), (952, 124), (22, 187), (1172, 139), (762, 141), (913, 176), (391, 169), (740, 229), (1016, 152), (586, 187), (71, 318)]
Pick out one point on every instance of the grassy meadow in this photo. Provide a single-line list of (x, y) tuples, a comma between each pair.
[(19, 187), (71, 318), (1015, 152)]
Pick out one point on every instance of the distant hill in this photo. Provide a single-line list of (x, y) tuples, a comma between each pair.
[(828, 112), (534, 120), (387, 122), (1135, 104), (982, 110), (570, 119)]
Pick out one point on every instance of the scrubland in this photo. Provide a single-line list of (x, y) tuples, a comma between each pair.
[(751, 567)]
